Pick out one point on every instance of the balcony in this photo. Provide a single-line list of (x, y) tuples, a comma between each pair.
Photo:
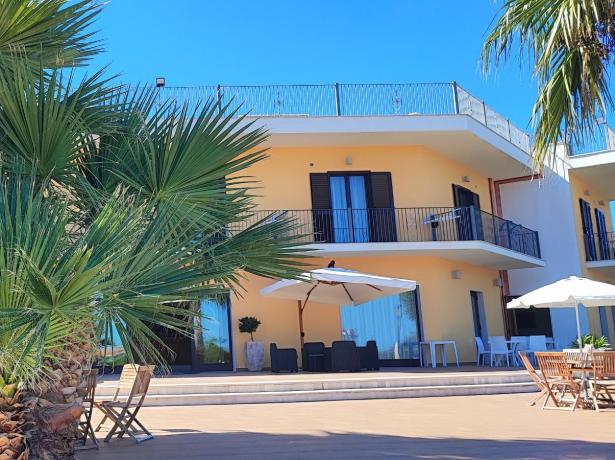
[(600, 251), (352, 100), (463, 234)]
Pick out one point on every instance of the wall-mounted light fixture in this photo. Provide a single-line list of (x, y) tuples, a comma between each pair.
[(498, 282), (466, 179), (456, 274), (349, 160), (160, 82), (587, 193)]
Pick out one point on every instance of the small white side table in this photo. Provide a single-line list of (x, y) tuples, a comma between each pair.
[(432, 351)]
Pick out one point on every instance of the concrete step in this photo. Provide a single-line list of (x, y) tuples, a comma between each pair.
[(175, 386), (335, 395), (305, 387)]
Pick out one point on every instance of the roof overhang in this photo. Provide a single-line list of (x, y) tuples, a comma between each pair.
[(459, 137), (471, 252), (597, 169)]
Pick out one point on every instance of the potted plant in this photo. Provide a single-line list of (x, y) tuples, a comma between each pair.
[(594, 341), (255, 351)]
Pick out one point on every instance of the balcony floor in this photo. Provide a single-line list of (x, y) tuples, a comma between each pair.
[(472, 252)]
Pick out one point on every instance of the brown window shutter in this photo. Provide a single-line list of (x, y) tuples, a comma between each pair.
[(321, 204), (381, 190), (382, 215), (321, 195)]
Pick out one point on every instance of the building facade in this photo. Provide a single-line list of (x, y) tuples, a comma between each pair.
[(423, 182)]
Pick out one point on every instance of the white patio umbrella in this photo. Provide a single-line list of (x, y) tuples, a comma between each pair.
[(335, 286), (568, 293)]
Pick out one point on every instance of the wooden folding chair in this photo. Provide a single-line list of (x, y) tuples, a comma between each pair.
[(535, 378), (87, 391), (602, 383), (123, 414), (558, 377), (124, 386)]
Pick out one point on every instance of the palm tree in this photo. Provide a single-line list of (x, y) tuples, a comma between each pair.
[(570, 44), (117, 208)]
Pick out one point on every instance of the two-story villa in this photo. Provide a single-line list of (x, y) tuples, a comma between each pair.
[(423, 182)]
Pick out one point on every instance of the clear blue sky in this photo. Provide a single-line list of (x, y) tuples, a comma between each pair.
[(202, 42)]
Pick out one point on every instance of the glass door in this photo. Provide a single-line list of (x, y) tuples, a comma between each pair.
[(479, 317), (469, 224), (393, 322), (349, 208), (212, 344)]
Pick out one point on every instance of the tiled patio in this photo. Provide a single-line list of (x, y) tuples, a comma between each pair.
[(469, 427)]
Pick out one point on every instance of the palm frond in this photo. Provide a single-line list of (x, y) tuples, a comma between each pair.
[(52, 32), (570, 44)]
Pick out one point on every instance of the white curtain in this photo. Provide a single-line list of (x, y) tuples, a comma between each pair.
[(391, 321)]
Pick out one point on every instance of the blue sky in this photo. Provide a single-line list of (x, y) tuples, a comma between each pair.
[(202, 42)]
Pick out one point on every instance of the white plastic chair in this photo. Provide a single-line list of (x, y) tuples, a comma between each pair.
[(519, 343), (499, 348), (536, 343), (481, 352)]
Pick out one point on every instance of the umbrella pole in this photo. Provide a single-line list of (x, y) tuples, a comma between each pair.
[(301, 322), (579, 338)]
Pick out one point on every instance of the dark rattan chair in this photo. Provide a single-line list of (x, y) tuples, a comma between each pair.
[(343, 356), (283, 359), (369, 356), (313, 358)]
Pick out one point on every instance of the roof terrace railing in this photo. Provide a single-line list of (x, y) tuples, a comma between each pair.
[(348, 100), (600, 139)]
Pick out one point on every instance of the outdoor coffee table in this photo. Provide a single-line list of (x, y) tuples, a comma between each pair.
[(433, 344)]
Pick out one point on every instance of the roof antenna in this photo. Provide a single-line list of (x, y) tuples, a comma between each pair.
[(331, 264)]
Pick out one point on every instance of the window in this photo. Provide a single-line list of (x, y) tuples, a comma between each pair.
[(393, 322), (588, 230), (603, 236), (352, 207)]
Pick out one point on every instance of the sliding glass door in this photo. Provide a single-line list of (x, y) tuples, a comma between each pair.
[(212, 344), (349, 208), (393, 322)]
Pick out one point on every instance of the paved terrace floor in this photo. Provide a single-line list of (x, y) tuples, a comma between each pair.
[(460, 428)]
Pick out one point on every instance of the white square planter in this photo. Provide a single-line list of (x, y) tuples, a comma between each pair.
[(255, 355)]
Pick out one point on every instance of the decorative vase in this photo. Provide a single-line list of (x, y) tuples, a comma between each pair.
[(255, 355)]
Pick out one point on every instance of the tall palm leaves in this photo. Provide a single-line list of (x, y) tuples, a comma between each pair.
[(571, 44), (50, 32)]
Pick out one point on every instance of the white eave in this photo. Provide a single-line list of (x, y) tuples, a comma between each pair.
[(460, 137)]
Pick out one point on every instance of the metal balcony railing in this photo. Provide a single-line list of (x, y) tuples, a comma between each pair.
[(599, 246), (379, 225), (600, 139), (352, 100)]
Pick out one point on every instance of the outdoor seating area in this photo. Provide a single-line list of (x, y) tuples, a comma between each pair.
[(342, 355), (500, 351), (573, 379)]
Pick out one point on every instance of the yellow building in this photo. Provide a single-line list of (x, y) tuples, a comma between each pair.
[(423, 182)]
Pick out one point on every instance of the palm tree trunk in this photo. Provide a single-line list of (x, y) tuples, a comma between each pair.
[(55, 409), (14, 419)]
